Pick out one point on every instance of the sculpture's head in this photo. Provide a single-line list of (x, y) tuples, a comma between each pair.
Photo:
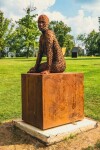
[(43, 22)]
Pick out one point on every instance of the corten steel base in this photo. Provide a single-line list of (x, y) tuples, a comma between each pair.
[(52, 100)]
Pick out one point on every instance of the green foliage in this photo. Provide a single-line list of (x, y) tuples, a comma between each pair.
[(62, 33), (95, 147), (6, 30), (71, 136), (26, 34), (24, 39), (91, 41), (10, 84), (88, 148)]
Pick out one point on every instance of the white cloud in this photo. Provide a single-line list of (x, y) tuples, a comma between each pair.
[(93, 8), (43, 5), (79, 24), (55, 16), (83, 24), (14, 8)]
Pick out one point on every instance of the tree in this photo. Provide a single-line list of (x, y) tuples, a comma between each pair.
[(91, 41), (27, 32), (6, 30), (62, 33), (16, 42)]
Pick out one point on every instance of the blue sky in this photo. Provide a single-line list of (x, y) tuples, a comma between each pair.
[(80, 15), (68, 8)]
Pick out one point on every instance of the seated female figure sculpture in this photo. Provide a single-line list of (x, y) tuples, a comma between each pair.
[(49, 46)]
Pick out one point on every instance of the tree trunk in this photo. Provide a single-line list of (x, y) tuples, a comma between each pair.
[(27, 54), (0, 54)]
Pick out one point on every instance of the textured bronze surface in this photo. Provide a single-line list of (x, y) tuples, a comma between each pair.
[(48, 46), (52, 100)]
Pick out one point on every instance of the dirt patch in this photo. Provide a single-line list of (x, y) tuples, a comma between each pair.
[(12, 138)]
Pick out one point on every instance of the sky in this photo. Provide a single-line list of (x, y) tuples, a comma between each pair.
[(80, 15)]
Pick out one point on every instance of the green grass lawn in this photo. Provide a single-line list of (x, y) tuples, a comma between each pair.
[(10, 84)]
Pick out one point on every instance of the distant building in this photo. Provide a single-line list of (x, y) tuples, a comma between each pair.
[(11, 54), (78, 51), (75, 52)]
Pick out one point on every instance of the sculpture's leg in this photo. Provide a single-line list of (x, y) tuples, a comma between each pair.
[(43, 67), (58, 68)]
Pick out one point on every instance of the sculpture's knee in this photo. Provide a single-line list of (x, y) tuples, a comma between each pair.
[(56, 68)]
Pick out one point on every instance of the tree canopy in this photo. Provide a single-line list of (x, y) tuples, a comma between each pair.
[(26, 33), (91, 42), (62, 33), (22, 36), (6, 30)]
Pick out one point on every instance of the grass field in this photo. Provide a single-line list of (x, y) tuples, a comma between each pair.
[(10, 84)]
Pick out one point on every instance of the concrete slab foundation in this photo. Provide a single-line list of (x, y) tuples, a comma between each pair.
[(56, 134)]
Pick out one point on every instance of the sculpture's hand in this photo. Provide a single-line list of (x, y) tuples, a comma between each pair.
[(45, 72)]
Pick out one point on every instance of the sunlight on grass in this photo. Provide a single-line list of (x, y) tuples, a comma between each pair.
[(10, 84)]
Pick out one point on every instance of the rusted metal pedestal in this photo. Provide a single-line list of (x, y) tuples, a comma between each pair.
[(52, 100)]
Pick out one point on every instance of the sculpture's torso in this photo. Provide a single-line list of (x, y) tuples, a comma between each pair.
[(49, 46)]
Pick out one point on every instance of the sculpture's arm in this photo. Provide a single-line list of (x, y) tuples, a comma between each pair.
[(39, 57), (49, 47)]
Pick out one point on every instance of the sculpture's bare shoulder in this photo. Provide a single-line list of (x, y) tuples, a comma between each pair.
[(50, 35)]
